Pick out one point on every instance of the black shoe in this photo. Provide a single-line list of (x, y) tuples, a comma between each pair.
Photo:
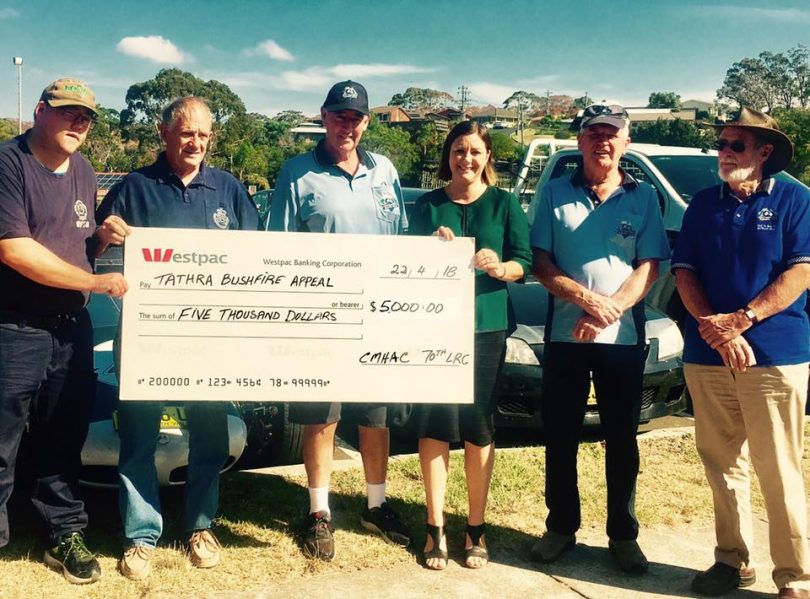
[(75, 560), (722, 578), (318, 542), (384, 521), (629, 556)]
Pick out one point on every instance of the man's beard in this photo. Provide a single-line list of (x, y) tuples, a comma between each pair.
[(737, 175)]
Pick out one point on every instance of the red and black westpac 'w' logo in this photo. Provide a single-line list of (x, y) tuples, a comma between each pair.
[(156, 255)]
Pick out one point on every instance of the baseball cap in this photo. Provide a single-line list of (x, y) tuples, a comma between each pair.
[(604, 114), (347, 95), (69, 92)]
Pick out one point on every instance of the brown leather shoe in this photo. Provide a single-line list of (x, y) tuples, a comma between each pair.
[(791, 593), (722, 578), (136, 563), (204, 549)]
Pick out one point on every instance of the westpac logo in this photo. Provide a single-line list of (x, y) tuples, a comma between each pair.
[(169, 255)]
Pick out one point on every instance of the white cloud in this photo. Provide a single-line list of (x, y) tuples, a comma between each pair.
[(9, 13), (782, 15), (153, 47), (271, 49)]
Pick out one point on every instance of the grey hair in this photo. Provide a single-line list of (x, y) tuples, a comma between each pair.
[(182, 107)]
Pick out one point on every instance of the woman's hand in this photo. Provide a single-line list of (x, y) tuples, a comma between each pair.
[(488, 261), (445, 233)]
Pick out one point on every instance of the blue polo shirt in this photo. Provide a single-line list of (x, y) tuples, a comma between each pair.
[(598, 245), (313, 194), (154, 196), (737, 248)]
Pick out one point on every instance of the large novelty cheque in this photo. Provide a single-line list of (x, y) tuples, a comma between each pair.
[(256, 316)]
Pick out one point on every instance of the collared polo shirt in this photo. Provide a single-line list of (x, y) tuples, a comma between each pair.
[(598, 246), (739, 247), (154, 196), (313, 194)]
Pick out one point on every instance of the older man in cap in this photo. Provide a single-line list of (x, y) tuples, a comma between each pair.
[(340, 188), (742, 266), (47, 198), (597, 239)]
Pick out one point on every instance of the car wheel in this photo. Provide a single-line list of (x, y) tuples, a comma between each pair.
[(288, 440), (272, 440)]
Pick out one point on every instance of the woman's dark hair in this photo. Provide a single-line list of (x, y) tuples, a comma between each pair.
[(460, 130)]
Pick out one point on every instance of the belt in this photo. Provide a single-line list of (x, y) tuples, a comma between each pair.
[(49, 323)]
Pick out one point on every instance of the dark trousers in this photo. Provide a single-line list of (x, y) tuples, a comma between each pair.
[(617, 377), (47, 374)]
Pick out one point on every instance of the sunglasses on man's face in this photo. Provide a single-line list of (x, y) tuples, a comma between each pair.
[(736, 146)]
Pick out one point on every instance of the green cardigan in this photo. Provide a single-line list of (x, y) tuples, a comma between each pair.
[(497, 222)]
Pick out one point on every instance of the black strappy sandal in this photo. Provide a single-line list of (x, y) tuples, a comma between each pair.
[(477, 550), (436, 533)]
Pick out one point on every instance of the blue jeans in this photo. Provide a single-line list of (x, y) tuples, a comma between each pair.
[(46, 378), (138, 499)]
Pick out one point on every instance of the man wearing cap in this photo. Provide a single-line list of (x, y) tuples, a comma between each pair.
[(742, 267), (47, 248), (597, 239), (179, 190), (340, 188)]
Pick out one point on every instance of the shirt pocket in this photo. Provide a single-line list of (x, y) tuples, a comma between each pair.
[(219, 216), (386, 203), (624, 238)]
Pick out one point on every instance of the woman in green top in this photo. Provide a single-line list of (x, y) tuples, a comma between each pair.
[(469, 206)]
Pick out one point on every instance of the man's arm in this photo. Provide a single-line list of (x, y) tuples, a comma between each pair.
[(717, 329), (605, 309), (637, 285), (36, 262)]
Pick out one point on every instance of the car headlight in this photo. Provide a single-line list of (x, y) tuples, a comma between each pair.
[(670, 341), (519, 352)]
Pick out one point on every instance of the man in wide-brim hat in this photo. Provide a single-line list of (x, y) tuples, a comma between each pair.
[(742, 266)]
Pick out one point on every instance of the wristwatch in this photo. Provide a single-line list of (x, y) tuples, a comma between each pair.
[(750, 315)]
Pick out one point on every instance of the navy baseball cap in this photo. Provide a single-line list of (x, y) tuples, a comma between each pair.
[(604, 114), (347, 95)]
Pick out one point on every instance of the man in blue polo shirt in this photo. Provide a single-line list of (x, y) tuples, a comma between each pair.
[(178, 190), (742, 267), (340, 188), (597, 239)]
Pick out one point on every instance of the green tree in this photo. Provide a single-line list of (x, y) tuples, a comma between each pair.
[(293, 118), (796, 125), (104, 146), (675, 132), (422, 97), (523, 101), (664, 100), (396, 144), (504, 148), (8, 129), (146, 101), (799, 58), (582, 102)]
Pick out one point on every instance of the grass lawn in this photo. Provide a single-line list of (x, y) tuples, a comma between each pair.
[(259, 512)]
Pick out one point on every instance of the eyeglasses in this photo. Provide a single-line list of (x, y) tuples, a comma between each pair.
[(736, 146), (604, 109), (75, 117)]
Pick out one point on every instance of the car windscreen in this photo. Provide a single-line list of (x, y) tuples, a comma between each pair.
[(688, 174)]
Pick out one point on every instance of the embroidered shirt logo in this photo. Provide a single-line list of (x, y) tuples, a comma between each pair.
[(625, 229), (221, 219), (387, 204), (80, 209), (349, 92), (766, 219)]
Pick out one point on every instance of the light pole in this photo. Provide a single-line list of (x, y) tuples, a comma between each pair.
[(17, 60)]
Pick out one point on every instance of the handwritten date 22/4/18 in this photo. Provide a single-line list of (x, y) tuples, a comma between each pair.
[(408, 271)]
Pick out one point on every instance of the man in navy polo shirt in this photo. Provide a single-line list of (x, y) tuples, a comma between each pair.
[(340, 188), (178, 190), (742, 267), (597, 238), (47, 196)]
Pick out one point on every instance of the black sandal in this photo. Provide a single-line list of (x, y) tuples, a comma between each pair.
[(436, 533), (477, 550)]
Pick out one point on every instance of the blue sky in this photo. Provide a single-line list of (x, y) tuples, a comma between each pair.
[(285, 54)]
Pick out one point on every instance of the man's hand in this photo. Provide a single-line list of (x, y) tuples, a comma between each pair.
[(112, 231), (718, 329), (445, 233), (606, 310), (113, 284), (737, 354), (587, 328)]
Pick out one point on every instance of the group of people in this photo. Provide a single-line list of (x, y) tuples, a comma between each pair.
[(742, 267)]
